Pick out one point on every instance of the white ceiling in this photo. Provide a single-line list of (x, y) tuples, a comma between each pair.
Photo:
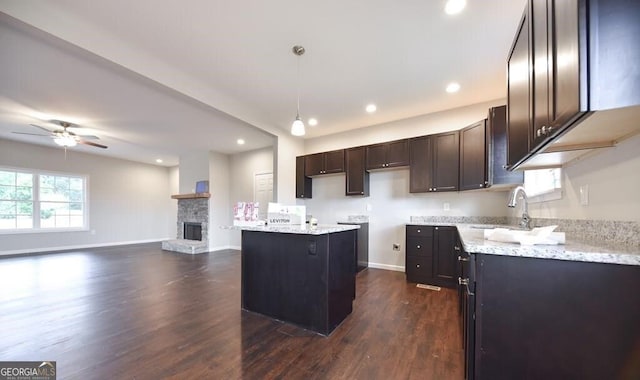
[(157, 79)]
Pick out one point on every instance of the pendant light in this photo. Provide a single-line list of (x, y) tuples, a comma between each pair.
[(297, 128)]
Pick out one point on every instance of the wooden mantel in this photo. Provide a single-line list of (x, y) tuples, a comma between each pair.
[(191, 196)]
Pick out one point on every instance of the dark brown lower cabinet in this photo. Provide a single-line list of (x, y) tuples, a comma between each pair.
[(431, 255), (555, 319)]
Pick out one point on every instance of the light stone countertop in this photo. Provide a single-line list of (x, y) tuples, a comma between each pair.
[(472, 238), (321, 229)]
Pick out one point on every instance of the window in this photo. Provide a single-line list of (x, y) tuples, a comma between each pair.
[(16, 200), (41, 201), (543, 184)]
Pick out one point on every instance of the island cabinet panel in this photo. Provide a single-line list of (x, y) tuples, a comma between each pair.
[(555, 319), (357, 178), (307, 280), (388, 155), (303, 183)]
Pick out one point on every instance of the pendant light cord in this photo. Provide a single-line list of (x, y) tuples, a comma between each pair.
[(298, 102)]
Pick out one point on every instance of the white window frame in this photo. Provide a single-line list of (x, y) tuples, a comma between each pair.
[(36, 202), (550, 195)]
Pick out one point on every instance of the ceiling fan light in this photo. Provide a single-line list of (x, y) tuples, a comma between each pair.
[(66, 141), (297, 128)]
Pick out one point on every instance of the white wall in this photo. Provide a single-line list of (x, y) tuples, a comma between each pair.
[(174, 188), (416, 126), (219, 203), (613, 178), (194, 167), (128, 201), (244, 167), (392, 206), (287, 148), (390, 202)]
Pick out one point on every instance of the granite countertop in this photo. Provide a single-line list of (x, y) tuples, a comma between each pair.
[(321, 229), (472, 238)]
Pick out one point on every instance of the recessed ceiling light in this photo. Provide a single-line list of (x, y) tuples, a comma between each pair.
[(371, 108), (240, 141), (312, 122), (454, 6), (159, 160), (453, 87)]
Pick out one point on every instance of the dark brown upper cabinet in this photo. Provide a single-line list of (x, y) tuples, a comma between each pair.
[(483, 152), (555, 34), (497, 130), (420, 164), (518, 95), (446, 161), (474, 142), (434, 163), (387, 155), (357, 178), (324, 163), (570, 61), (303, 183)]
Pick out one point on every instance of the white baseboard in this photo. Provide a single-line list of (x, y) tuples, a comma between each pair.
[(80, 246), (396, 268), (224, 247)]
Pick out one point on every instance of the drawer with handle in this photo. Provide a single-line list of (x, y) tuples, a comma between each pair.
[(418, 231)]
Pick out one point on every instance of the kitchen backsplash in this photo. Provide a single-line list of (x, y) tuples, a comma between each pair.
[(610, 232)]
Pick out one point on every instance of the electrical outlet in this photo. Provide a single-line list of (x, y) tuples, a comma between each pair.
[(446, 206), (396, 246)]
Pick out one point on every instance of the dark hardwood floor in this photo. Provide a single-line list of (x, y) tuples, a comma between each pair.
[(140, 312)]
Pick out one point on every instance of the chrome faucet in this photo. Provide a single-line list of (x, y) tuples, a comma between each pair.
[(525, 222)]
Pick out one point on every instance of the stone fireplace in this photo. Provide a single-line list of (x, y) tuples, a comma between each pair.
[(192, 226)]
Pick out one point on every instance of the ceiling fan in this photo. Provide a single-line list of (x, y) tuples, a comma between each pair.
[(64, 137)]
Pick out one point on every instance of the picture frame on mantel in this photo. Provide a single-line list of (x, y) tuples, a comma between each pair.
[(202, 187)]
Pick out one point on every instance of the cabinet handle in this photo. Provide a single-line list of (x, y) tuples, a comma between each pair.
[(436, 228), (457, 248), (417, 246), (460, 258), (418, 230), (505, 167), (538, 133), (417, 265), (544, 130), (465, 282), (480, 185)]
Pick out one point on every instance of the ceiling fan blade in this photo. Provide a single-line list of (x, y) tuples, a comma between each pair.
[(31, 134), (87, 137), (92, 144), (43, 128)]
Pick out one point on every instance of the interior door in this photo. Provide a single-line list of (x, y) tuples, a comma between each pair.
[(263, 192)]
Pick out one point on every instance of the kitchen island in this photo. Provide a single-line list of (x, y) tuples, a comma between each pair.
[(302, 276)]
